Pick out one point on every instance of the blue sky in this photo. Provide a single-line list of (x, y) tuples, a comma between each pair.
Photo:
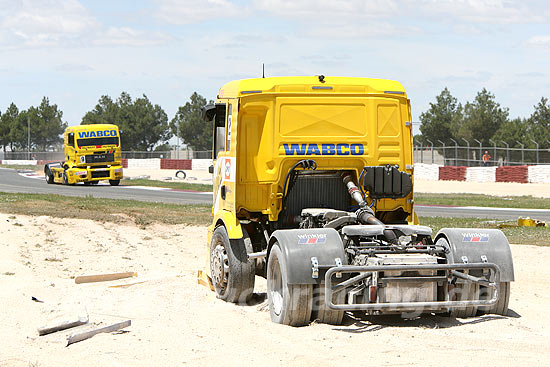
[(75, 51)]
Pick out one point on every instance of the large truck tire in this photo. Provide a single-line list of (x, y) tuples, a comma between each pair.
[(464, 292), (499, 308), (49, 175), (289, 304), (320, 311), (65, 178), (114, 182), (231, 270)]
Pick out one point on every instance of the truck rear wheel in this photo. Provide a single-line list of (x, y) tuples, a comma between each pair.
[(320, 310), (289, 304), (464, 292), (114, 182), (232, 272), (499, 308)]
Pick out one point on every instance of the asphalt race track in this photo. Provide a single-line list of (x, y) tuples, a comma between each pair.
[(12, 181)]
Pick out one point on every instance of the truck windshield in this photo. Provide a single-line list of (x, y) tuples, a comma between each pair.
[(108, 140)]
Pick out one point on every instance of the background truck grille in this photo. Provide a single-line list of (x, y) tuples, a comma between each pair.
[(96, 158)]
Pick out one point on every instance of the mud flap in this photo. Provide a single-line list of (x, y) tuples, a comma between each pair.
[(475, 245), (309, 253)]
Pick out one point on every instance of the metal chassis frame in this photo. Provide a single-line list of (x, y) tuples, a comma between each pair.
[(395, 306)]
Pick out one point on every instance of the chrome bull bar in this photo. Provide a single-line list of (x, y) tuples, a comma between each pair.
[(453, 270)]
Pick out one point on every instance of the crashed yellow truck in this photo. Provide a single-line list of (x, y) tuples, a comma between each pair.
[(313, 189), (92, 153)]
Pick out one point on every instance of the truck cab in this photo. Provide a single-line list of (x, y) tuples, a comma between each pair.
[(92, 153)]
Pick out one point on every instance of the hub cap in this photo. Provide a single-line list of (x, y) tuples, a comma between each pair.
[(220, 268)]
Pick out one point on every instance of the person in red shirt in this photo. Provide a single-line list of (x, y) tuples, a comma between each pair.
[(486, 157)]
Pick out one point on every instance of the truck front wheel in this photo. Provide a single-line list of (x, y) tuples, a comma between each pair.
[(289, 304), (48, 174), (232, 272), (114, 182)]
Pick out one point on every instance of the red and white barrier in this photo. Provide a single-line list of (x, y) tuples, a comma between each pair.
[(521, 174)]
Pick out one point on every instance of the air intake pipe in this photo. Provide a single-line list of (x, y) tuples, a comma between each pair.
[(365, 215)]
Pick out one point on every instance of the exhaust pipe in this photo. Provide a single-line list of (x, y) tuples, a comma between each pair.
[(365, 215)]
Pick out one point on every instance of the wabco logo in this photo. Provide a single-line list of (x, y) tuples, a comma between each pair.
[(96, 134), (324, 149)]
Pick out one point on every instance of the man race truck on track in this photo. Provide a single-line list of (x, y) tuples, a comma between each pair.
[(92, 153), (313, 189)]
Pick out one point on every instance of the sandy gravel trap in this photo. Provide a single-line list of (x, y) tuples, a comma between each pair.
[(175, 321)]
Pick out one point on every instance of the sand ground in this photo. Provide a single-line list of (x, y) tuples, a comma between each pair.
[(177, 322)]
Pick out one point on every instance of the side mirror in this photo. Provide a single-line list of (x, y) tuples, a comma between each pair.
[(211, 169)]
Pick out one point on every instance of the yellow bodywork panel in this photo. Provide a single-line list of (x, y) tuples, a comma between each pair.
[(342, 123)]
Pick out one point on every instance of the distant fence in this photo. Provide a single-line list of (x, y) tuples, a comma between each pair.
[(58, 156), (454, 155)]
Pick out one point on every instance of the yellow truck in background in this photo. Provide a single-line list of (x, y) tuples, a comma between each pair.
[(92, 153), (313, 190)]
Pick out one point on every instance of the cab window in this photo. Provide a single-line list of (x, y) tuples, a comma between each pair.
[(229, 120), (219, 129)]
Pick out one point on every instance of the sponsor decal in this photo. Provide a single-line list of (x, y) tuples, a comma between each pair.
[(475, 237), (227, 172), (312, 239), (324, 149), (96, 134), (80, 173)]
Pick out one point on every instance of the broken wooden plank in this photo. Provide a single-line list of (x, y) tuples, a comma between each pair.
[(77, 337), (44, 330), (103, 277)]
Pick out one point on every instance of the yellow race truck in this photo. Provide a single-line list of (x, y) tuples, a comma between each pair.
[(313, 189), (92, 153)]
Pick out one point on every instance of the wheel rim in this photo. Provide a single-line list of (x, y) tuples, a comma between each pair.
[(220, 268), (276, 286)]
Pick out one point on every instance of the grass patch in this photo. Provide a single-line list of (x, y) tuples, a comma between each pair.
[(32, 167), (104, 210), (168, 184), (539, 236), (523, 202)]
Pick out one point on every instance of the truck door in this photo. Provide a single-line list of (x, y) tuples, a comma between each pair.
[(225, 170)]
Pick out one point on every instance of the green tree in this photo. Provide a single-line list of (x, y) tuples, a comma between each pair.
[(163, 148), (192, 128), (511, 132), (105, 112), (482, 119), (437, 121), (46, 124), (7, 121), (142, 124), (18, 131), (538, 124)]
